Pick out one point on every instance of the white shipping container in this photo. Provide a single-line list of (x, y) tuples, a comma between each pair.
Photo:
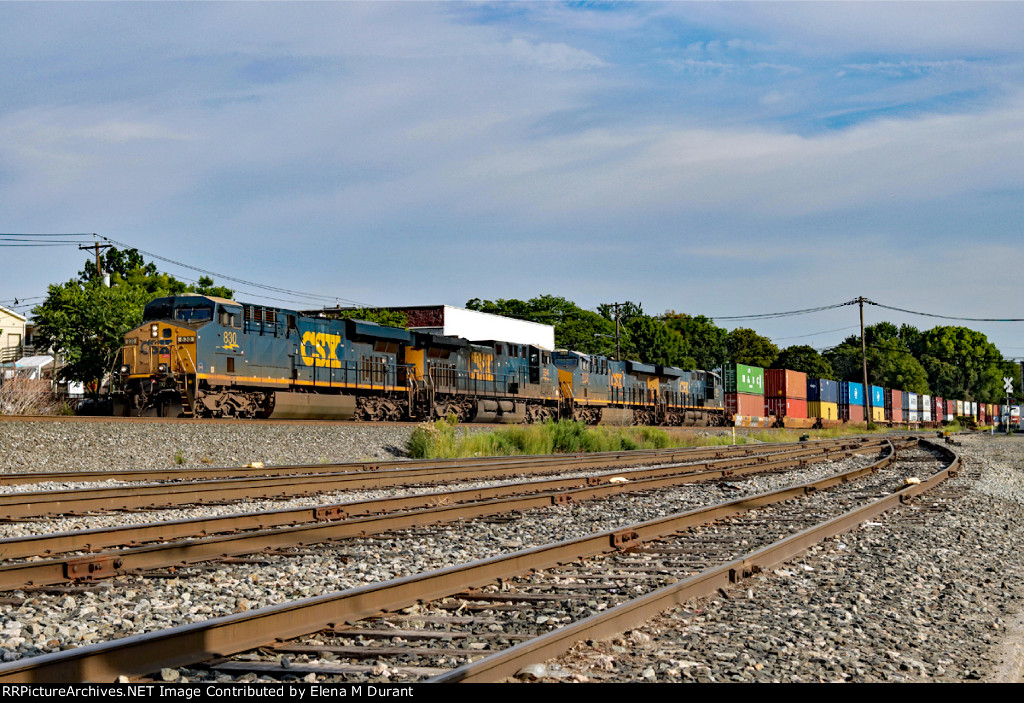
[(912, 416), (926, 416), (912, 402)]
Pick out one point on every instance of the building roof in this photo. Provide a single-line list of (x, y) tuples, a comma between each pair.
[(12, 313)]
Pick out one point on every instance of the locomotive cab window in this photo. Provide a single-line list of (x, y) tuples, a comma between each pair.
[(193, 313), (229, 317)]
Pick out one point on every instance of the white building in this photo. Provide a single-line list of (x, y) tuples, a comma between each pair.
[(476, 326)]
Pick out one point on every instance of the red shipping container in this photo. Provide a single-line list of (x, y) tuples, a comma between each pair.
[(939, 413), (745, 404), (785, 407), (897, 406), (783, 383), (852, 413)]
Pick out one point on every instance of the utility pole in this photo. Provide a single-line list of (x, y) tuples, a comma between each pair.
[(96, 247), (618, 353), (864, 360)]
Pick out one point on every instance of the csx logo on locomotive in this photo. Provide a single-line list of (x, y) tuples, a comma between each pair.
[(320, 349)]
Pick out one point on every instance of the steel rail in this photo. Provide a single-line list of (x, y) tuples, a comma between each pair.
[(206, 473), (134, 535), (190, 644), (468, 504), (41, 503), (632, 613)]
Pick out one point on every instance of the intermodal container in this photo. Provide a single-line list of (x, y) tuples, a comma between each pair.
[(785, 407), (852, 413), (745, 404), (826, 411), (878, 414), (910, 401), (912, 416), (939, 405), (924, 403), (783, 383), (877, 397), (740, 378), (926, 416), (822, 389), (896, 414), (959, 408), (851, 393)]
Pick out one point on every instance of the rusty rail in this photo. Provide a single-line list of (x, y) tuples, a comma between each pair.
[(190, 644), (627, 615), (334, 522), (41, 503)]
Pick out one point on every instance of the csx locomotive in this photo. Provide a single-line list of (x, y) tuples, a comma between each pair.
[(202, 356)]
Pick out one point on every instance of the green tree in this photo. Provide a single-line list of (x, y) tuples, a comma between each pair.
[(806, 359), (963, 364), (704, 342), (746, 346), (891, 363), (86, 323)]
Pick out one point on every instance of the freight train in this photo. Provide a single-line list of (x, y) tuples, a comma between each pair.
[(202, 356)]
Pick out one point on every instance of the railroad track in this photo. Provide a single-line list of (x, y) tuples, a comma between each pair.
[(663, 561), (305, 481), (248, 533)]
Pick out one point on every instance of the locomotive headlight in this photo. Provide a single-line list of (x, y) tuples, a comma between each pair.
[(154, 330)]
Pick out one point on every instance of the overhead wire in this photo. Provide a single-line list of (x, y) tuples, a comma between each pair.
[(274, 289)]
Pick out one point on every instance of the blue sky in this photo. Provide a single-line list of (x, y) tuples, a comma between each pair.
[(718, 159)]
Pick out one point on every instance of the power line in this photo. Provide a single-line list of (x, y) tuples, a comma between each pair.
[(945, 317), (814, 334), (789, 313), (285, 291)]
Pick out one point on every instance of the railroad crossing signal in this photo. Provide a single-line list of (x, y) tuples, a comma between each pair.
[(1008, 384)]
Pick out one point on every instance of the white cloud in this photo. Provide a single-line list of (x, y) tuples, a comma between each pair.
[(552, 56)]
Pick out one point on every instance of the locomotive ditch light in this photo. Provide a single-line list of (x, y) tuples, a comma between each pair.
[(125, 370), (162, 368)]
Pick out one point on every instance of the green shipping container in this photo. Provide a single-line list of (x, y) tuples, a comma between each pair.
[(744, 379)]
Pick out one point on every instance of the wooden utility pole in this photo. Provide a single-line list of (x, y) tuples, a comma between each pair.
[(96, 247), (864, 360)]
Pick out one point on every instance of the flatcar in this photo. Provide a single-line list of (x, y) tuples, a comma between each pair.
[(202, 356)]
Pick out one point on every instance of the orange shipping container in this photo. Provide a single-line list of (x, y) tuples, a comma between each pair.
[(783, 383), (744, 404)]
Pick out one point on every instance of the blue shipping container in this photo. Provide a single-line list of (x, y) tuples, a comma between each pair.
[(851, 393), (822, 390), (877, 397)]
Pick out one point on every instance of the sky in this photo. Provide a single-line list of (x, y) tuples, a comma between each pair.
[(724, 159)]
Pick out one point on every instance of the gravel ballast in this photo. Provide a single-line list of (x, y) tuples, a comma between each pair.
[(931, 598)]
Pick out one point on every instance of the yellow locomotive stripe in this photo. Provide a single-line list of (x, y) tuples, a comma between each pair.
[(287, 382)]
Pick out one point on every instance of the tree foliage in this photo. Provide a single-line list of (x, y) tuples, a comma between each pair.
[(891, 362), (806, 359), (85, 321), (746, 346), (704, 342)]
